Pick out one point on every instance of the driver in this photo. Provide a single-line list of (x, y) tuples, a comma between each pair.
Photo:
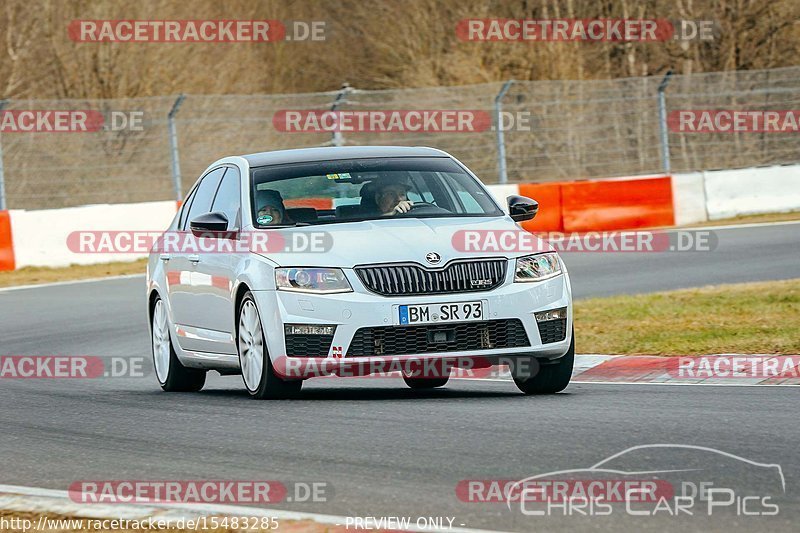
[(391, 197)]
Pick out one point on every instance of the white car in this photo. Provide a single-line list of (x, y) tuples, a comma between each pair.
[(292, 264)]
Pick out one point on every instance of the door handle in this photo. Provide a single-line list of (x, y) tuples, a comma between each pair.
[(165, 257), (194, 258)]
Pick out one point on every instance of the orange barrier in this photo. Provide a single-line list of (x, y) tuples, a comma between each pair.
[(6, 244), (617, 204), (316, 203), (548, 195)]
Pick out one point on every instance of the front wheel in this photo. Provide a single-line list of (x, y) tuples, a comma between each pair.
[(550, 378), (171, 374), (258, 374)]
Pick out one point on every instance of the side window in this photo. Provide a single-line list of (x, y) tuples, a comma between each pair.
[(203, 196), (185, 209), (228, 198)]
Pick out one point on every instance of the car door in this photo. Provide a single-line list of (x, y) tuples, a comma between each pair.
[(180, 265), (213, 274)]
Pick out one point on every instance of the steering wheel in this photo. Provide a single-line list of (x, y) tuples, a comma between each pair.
[(418, 205), (424, 208)]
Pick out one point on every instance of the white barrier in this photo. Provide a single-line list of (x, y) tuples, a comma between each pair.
[(752, 191), (40, 237), (689, 198), (501, 192)]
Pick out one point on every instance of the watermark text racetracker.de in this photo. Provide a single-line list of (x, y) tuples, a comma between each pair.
[(382, 121), (494, 241), (733, 121), (584, 30), (71, 367), (250, 492), (746, 368), (223, 242), (69, 120), (196, 31), (336, 365), (736, 367)]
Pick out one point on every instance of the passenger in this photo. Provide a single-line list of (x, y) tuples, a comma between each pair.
[(272, 211)]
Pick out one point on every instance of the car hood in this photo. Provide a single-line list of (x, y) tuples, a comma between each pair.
[(393, 240)]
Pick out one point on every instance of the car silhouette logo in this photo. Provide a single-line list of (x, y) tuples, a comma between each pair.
[(433, 258)]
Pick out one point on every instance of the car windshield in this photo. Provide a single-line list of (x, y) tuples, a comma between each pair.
[(350, 190)]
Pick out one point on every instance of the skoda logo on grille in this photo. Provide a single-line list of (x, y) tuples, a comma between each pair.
[(433, 258)]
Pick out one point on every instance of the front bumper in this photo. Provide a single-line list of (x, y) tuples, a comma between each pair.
[(363, 309)]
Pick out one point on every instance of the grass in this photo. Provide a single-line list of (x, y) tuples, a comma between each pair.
[(761, 317), (37, 275)]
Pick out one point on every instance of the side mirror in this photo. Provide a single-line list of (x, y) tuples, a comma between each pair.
[(210, 225), (521, 208)]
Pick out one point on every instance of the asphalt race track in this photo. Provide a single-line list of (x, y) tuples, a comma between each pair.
[(755, 253), (384, 449)]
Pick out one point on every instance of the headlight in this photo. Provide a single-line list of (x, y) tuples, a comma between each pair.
[(538, 267), (321, 280)]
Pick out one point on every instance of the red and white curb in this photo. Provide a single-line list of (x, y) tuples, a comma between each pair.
[(39, 500), (714, 369)]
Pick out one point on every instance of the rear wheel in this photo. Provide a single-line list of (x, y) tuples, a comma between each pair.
[(258, 374), (171, 374), (550, 378)]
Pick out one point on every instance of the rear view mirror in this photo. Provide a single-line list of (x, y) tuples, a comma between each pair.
[(210, 225), (521, 208)]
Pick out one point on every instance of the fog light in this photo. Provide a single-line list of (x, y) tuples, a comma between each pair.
[(308, 329), (552, 314)]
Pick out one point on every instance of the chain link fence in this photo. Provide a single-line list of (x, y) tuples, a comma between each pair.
[(571, 130)]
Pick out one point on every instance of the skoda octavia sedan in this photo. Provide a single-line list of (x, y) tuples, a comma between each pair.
[(288, 265)]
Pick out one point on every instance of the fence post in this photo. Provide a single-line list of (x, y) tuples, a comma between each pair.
[(338, 138), (501, 140), (3, 205), (173, 145), (662, 120)]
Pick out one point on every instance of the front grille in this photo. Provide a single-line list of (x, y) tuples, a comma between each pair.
[(409, 279), (308, 345), (553, 330), (409, 340)]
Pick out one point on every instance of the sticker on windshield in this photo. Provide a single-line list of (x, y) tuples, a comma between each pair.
[(342, 176), (264, 219)]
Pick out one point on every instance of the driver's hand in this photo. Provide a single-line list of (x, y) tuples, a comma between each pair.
[(403, 207)]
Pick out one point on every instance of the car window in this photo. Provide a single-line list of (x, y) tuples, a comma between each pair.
[(187, 204), (419, 191), (204, 195), (227, 200), (467, 200), (363, 189)]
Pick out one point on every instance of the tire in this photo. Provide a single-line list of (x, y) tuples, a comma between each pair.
[(550, 378), (425, 383), (170, 373), (258, 374)]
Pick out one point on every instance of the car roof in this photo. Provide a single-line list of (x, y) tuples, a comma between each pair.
[(300, 155)]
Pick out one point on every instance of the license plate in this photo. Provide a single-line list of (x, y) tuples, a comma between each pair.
[(441, 313)]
